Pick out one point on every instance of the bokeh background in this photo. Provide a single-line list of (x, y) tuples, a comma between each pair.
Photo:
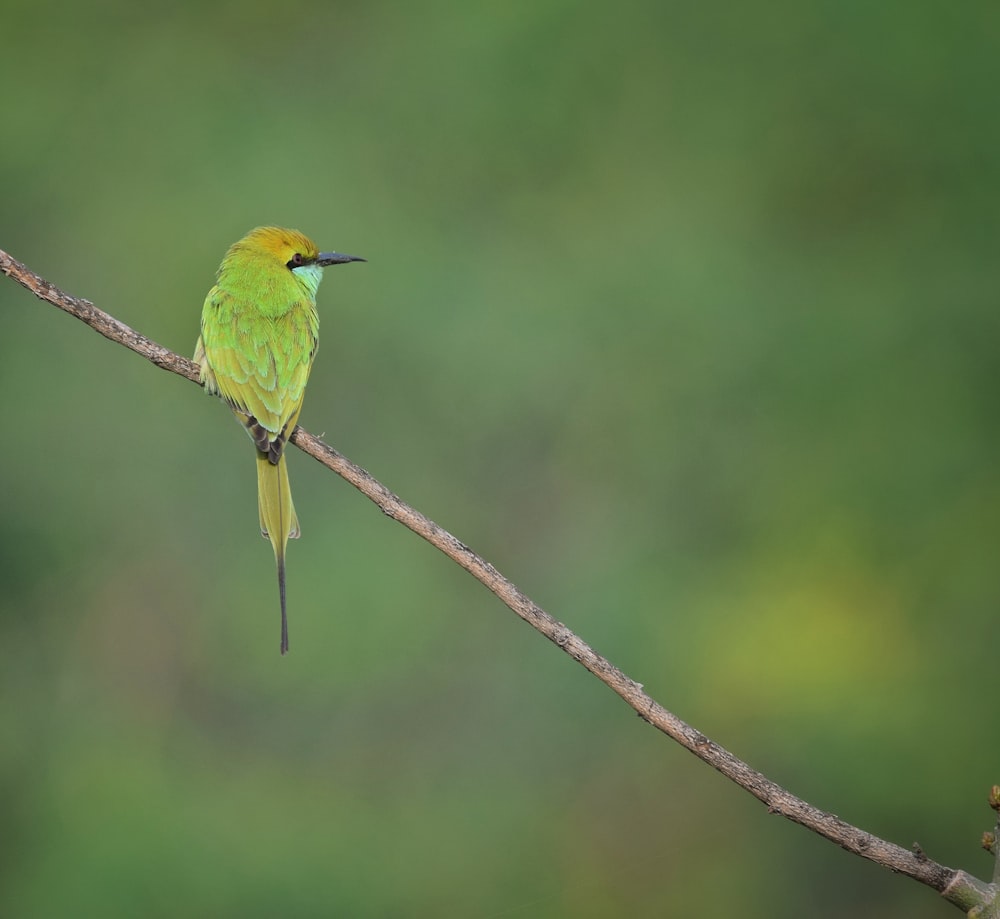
[(684, 316)]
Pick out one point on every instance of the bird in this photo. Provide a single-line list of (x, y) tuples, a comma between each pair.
[(259, 335)]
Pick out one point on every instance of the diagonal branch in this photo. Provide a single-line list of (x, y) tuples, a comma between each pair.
[(959, 888)]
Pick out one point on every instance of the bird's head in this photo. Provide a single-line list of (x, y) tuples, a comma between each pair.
[(278, 249)]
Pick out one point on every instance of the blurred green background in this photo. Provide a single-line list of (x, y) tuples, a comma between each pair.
[(682, 315)]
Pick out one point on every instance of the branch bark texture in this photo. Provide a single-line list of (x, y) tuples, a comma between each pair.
[(962, 890)]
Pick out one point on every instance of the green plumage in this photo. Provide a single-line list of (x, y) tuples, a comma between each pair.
[(259, 333)]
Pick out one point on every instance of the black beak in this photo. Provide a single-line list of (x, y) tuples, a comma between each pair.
[(335, 258)]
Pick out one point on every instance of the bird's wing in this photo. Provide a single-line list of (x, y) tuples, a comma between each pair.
[(259, 365)]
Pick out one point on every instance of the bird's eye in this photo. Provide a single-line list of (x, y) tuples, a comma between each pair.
[(296, 260)]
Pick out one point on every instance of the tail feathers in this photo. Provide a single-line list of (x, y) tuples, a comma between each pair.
[(278, 521)]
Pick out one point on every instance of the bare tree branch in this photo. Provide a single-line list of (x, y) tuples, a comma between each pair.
[(958, 887)]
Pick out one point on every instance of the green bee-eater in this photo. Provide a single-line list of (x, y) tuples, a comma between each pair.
[(259, 333)]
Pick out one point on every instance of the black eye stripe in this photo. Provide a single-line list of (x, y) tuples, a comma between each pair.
[(295, 261)]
